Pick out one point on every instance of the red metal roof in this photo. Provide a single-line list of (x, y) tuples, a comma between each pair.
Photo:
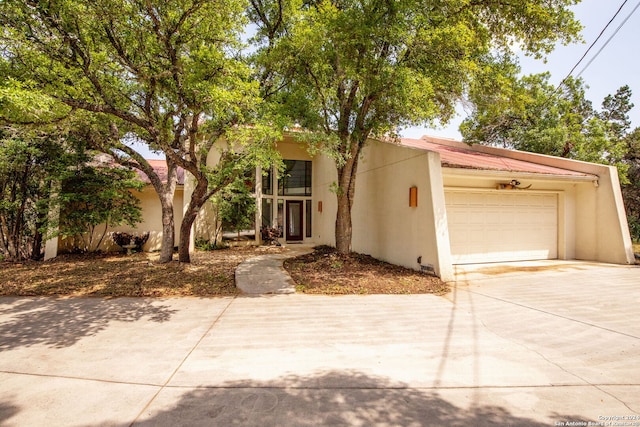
[(160, 167), (454, 154)]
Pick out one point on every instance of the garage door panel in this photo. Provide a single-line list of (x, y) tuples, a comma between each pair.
[(502, 226)]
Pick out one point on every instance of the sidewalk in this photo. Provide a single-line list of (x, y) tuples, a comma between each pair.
[(264, 274)]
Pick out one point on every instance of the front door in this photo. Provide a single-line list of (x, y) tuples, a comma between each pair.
[(294, 220)]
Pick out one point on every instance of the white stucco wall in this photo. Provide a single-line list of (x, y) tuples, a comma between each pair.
[(324, 176), (152, 217), (591, 220), (384, 225), (604, 232)]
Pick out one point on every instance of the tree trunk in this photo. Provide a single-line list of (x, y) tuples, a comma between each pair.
[(185, 234), (168, 226), (343, 226), (36, 246), (198, 198), (346, 192), (7, 246), (3, 242)]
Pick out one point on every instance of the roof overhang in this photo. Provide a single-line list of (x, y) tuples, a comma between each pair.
[(464, 160), (488, 173)]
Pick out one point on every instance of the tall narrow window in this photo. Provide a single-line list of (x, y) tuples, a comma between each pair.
[(308, 209), (267, 212), (267, 185), (280, 215)]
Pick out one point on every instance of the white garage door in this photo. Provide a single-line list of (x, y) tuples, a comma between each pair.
[(502, 226)]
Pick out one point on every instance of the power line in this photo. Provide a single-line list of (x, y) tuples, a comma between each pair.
[(609, 39), (596, 41)]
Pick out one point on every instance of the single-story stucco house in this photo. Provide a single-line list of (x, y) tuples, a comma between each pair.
[(432, 203)]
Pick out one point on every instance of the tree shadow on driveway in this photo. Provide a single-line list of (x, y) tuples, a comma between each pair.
[(60, 323), (7, 410), (336, 398)]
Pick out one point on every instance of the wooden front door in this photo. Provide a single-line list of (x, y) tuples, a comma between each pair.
[(294, 220)]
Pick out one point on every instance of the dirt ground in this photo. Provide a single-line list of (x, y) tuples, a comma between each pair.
[(139, 275), (210, 274), (326, 272)]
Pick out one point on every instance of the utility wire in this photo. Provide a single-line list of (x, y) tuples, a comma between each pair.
[(609, 39), (591, 46), (594, 43)]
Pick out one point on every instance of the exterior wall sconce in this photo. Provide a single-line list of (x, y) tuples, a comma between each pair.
[(320, 206), (413, 197)]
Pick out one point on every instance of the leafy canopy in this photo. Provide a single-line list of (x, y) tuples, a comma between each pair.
[(356, 68), (530, 114)]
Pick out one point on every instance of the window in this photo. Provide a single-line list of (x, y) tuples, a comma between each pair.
[(296, 179), (267, 179), (280, 214), (267, 213), (307, 205)]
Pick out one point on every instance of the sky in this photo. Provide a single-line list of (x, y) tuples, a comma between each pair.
[(617, 65)]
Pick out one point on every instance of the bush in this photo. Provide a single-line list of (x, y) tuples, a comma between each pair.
[(206, 245)]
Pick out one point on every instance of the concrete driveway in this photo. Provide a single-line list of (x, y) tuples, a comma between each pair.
[(521, 345)]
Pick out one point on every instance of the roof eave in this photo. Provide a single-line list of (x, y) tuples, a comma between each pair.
[(503, 174)]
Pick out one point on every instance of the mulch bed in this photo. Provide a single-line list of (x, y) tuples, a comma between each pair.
[(210, 274), (326, 272)]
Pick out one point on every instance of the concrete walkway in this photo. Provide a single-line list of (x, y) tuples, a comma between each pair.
[(264, 274), (513, 347)]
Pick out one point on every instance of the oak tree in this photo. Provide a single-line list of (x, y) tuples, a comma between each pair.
[(351, 70), (169, 72), (531, 114)]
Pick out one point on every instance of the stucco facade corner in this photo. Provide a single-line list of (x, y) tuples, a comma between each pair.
[(443, 261), (614, 243), (399, 214)]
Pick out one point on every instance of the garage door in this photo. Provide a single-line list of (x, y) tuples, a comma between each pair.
[(502, 226)]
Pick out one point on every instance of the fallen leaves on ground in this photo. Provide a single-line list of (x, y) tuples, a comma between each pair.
[(326, 272), (210, 273)]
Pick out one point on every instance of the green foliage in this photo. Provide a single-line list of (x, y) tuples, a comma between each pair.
[(206, 245), (529, 114), (371, 66), (169, 73), (28, 160), (236, 205), (631, 191), (615, 112), (97, 196), (20, 103), (34, 160)]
